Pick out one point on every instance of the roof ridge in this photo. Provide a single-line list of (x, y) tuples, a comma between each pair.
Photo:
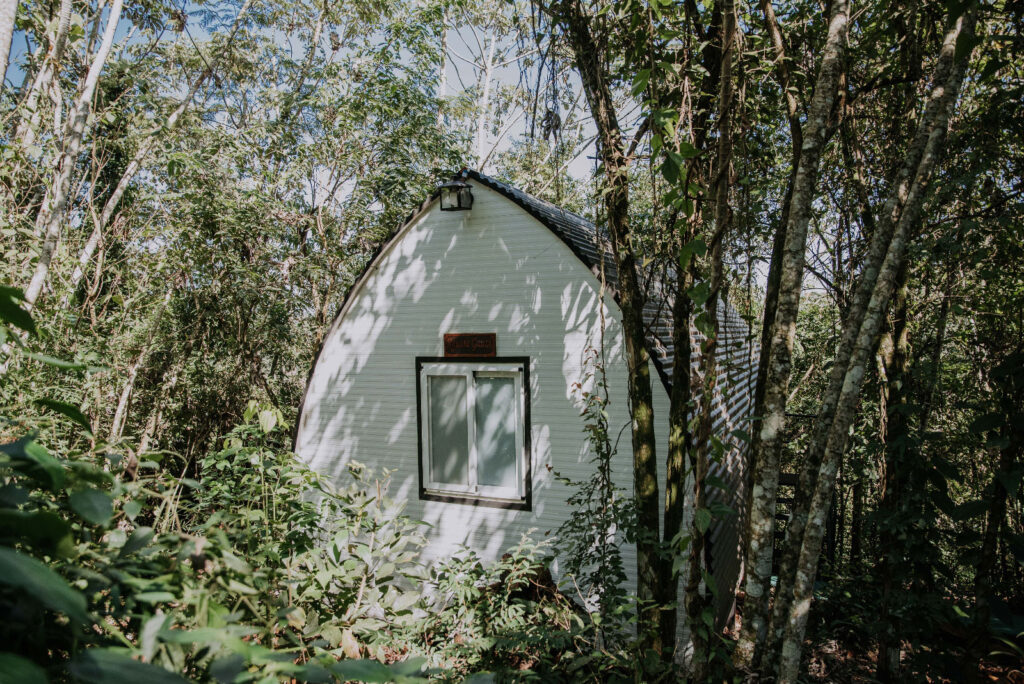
[(467, 172)]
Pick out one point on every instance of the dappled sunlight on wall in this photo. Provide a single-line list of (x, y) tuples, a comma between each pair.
[(494, 269)]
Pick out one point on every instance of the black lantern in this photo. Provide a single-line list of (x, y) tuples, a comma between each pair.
[(456, 196)]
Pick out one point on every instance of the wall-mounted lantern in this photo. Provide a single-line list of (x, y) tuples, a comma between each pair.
[(456, 196)]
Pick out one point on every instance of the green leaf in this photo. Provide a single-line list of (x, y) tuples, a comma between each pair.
[(702, 518), (970, 509), (12, 312), (226, 669), (965, 44), (40, 527), (267, 420), (361, 671), (703, 323), (695, 247), (741, 435), (54, 361), (149, 633), (40, 464), (700, 292), (139, 539), (1011, 480), (132, 509), (155, 596), (687, 151), (239, 588), (66, 410), (42, 584), (410, 667), (640, 82), (670, 167), (93, 505), (16, 670), (106, 666)]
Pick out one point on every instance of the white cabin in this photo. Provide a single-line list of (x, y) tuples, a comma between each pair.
[(473, 427)]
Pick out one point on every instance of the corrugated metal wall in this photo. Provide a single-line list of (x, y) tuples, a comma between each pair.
[(498, 269)]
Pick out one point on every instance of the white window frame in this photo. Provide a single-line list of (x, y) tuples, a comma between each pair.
[(470, 370)]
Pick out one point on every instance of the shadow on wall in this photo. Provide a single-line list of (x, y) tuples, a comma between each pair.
[(450, 273)]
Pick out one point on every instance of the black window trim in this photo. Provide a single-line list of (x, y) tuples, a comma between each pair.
[(526, 503)]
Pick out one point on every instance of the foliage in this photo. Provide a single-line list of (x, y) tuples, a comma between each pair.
[(602, 518), (150, 514), (113, 569), (104, 578)]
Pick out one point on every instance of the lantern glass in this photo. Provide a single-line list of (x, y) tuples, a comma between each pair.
[(456, 196)]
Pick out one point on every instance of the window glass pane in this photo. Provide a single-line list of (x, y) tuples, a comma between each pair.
[(496, 431), (449, 432)]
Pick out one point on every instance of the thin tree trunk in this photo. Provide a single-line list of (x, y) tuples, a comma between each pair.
[(766, 471), (442, 76), (26, 129), (8, 11), (483, 116), (595, 77), (892, 559), (857, 523), (698, 604), (995, 519), (110, 206), (930, 139), (53, 212), (935, 361), (771, 298), (680, 442), (882, 235), (121, 412)]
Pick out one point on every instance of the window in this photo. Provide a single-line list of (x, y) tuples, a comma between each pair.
[(474, 431)]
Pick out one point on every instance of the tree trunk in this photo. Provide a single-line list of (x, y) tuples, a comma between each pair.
[(935, 361), (699, 605), (484, 105), (30, 112), (857, 523), (595, 76), (8, 12), (121, 412), (53, 213), (110, 206), (442, 76), (892, 554), (771, 297), (680, 442), (903, 189), (1009, 376), (766, 471), (927, 148)]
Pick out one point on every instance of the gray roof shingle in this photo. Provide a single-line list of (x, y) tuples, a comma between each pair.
[(583, 238)]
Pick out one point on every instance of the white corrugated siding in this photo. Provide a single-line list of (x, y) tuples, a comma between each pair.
[(494, 270)]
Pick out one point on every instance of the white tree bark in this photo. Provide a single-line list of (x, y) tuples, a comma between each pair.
[(877, 250), (8, 11), (931, 139), (484, 105), (53, 212), (110, 206), (28, 124), (442, 77), (766, 475)]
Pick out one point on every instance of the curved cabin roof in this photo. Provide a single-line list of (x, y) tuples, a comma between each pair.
[(579, 235), (582, 237)]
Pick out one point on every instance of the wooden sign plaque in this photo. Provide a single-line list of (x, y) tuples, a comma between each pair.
[(470, 344)]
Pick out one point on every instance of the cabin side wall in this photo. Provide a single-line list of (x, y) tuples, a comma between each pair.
[(733, 405), (495, 269)]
